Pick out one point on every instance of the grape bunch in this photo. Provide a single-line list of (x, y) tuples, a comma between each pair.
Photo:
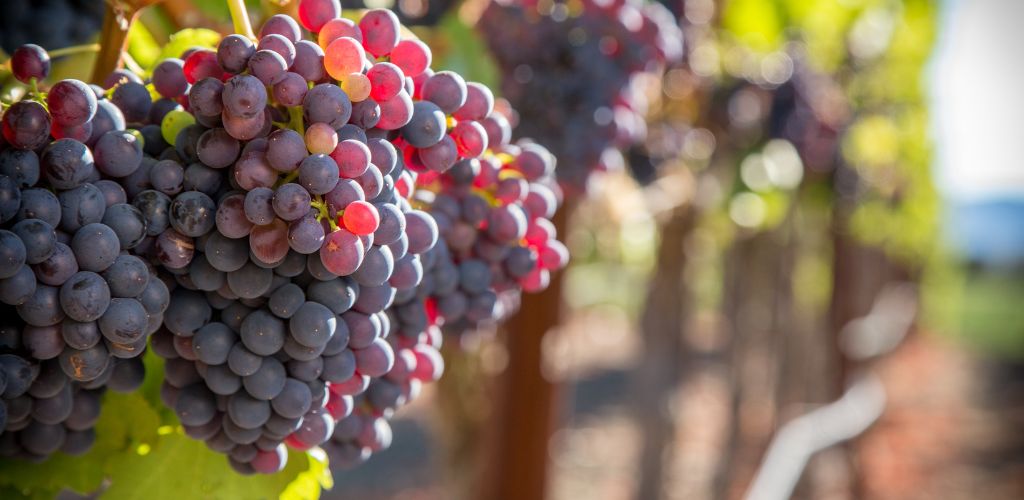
[(78, 307), (274, 217), (571, 73), (278, 317), (496, 239)]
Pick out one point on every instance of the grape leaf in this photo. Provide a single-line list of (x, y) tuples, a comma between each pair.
[(126, 421), (309, 483), (136, 455), (177, 466), (150, 389), (142, 46)]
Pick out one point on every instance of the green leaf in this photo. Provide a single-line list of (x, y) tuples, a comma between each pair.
[(137, 455), (126, 422), (177, 466), (309, 483), (150, 389), (142, 46)]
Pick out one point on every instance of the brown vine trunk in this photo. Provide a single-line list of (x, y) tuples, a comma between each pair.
[(758, 308), (669, 303), (526, 408)]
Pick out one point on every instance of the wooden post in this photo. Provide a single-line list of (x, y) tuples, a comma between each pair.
[(526, 410)]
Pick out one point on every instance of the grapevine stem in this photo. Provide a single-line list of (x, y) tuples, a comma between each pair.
[(74, 49), (323, 213), (240, 18), (290, 177), (34, 87), (113, 39)]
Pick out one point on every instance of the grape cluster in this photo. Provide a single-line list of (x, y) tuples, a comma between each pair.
[(496, 239), (571, 72), (278, 319), (78, 306), (493, 215), (279, 217)]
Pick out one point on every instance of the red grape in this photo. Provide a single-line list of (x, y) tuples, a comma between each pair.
[(380, 29), (470, 138), (412, 56), (337, 28), (269, 462), (71, 102), (314, 14), (342, 252), (269, 242), (343, 57), (352, 157), (386, 80), (361, 218), (201, 64)]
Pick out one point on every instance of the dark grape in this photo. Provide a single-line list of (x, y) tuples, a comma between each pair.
[(118, 153), (326, 103), (30, 61), (169, 78), (262, 334), (233, 53), (282, 25), (26, 125), (267, 65), (133, 100), (217, 149), (66, 163), (20, 165), (244, 96), (95, 246), (447, 90), (192, 213), (318, 174)]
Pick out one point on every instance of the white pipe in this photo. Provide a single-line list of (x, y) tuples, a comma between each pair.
[(808, 434)]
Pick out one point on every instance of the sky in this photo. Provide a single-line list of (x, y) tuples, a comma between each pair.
[(977, 80)]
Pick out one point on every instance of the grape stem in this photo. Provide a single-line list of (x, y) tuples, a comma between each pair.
[(240, 18), (296, 123), (34, 87), (322, 213), (74, 49)]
